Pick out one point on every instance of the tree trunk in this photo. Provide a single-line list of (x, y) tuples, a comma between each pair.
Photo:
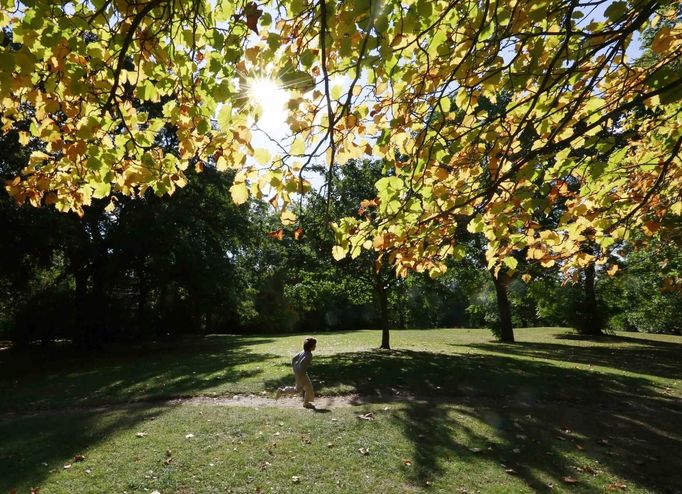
[(592, 319), (506, 334), (81, 305), (98, 297), (383, 303), (142, 295)]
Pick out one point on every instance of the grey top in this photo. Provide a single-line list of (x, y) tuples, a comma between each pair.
[(301, 361)]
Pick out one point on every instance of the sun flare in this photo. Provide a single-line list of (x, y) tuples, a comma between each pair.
[(272, 98)]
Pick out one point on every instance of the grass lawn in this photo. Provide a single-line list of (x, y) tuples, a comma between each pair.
[(454, 412)]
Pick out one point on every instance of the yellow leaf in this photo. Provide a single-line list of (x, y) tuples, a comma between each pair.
[(288, 218), (338, 252), (262, 156), (298, 146), (240, 193), (612, 270), (526, 278)]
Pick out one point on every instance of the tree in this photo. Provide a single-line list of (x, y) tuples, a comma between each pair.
[(81, 69), (353, 193)]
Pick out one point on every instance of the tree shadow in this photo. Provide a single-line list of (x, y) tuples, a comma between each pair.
[(45, 379), (36, 446), (47, 416), (625, 423), (657, 358)]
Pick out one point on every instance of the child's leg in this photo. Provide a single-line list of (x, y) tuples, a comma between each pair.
[(308, 388), (288, 390), (292, 390)]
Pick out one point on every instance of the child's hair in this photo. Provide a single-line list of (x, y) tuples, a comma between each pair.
[(309, 343)]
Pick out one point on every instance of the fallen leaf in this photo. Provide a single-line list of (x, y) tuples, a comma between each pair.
[(156, 492), (330, 445), (475, 450), (364, 451), (169, 452), (295, 479), (569, 480), (34, 490), (367, 416), (67, 466), (510, 471), (579, 447), (78, 458), (603, 442), (141, 434), (586, 469), (189, 436), (616, 486), (407, 463), (88, 471), (167, 461), (264, 465)]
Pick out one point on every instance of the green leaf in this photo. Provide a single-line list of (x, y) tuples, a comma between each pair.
[(511, 262), (297, 79), (101, 190), (616, 11), (225, 117)]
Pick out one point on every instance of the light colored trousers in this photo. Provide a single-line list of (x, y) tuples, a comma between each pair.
[(303, 384)]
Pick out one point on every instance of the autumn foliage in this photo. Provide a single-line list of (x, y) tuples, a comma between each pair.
[(487, 115)]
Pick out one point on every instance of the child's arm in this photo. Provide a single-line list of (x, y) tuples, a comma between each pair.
[(304, 363)]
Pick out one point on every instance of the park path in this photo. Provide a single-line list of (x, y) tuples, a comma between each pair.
[(261, 401), (322, 403)]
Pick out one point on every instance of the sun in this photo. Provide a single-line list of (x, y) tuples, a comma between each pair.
[(272, 99)]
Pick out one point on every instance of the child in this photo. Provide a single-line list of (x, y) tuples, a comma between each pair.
[(300, 364)]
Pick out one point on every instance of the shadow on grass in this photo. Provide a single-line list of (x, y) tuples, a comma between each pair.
[(656, 358), (625, 423), (37, 380), (34, 447), (43, 378)]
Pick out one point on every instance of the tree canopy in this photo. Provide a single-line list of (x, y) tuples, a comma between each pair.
[(485, 114)]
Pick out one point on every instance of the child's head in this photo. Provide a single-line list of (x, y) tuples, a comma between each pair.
[(309, 344)]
